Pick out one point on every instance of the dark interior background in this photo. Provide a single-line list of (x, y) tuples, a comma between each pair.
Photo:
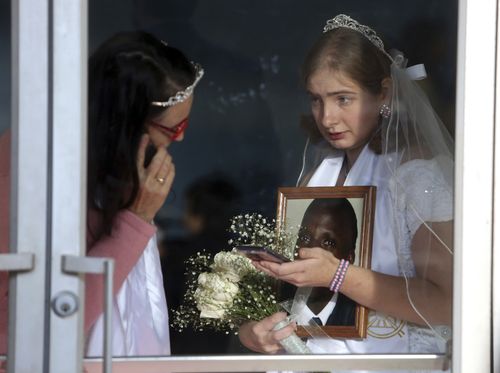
[(245, 118), (244, 139)]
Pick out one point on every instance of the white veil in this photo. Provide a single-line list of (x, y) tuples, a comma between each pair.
[(413, 130), (418, 151)]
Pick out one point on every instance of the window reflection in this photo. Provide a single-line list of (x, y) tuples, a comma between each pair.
[(210, 202), (244, 124)]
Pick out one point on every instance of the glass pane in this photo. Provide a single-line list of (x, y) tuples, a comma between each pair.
[(247, 131), (5, 115)]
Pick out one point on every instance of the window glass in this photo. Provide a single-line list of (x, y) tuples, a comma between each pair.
[(5, 64), (247, 132)]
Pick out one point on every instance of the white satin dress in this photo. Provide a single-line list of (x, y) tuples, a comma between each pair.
[(140, 316)]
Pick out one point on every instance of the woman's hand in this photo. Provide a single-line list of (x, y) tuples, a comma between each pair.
[(154, 181), (259, 336), (316, 267)]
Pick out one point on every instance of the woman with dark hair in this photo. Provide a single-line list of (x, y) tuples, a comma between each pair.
[(377, 128), (140, 97)]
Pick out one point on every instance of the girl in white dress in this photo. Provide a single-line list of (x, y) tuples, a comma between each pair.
[(377, 128)]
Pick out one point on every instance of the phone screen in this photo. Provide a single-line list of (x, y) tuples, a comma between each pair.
[(259, 253)]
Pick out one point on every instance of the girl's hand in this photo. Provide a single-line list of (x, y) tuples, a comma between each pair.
[(259, 336), (316, 267), (154, 181)]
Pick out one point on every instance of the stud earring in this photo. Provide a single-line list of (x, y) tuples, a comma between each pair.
[(385, 111)]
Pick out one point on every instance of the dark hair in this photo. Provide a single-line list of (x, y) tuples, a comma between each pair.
[(126, 73), (342, 210)]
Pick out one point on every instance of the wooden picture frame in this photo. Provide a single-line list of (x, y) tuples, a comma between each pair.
[(293, 203)]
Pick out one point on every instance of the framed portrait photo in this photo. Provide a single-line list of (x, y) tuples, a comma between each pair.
[(339, 220)]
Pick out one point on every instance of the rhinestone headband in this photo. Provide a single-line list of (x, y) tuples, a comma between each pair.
[(344, 21), (183, 95)]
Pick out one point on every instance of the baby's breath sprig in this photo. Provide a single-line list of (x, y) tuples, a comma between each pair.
[(255, 300), (255, 229)]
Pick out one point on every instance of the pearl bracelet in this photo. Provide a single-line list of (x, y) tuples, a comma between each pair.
[(339, 276)]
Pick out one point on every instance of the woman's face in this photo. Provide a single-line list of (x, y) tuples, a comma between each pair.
[(321, 229), (346, 114), (168, 126)]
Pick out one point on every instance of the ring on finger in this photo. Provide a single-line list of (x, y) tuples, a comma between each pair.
[(161, 180)]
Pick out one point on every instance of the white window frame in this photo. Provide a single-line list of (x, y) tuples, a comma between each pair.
[(29, 182), (474, 155), (49, 90)]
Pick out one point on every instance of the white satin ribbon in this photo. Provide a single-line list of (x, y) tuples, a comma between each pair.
[(416, 72)]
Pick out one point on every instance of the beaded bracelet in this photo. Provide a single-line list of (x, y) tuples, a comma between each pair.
[(342, 276), (339, 276), (335, 278)]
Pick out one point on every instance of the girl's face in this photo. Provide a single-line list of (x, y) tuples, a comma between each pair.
[(346, 114), (170, 125)]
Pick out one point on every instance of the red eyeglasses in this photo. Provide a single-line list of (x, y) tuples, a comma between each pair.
[(173, 132)]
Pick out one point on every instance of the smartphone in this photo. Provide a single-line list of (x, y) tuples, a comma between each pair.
[(261, 253), (149, 154)]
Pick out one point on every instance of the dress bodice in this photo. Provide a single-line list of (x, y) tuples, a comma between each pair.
[(414, 193)]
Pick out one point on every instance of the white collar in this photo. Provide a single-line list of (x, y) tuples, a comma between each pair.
[(306, 314)]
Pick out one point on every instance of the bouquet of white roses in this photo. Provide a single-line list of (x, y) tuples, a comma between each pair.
[(224, 293), (227, 291)]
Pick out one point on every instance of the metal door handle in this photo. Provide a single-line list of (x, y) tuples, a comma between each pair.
[(20, 262), (83, 264)]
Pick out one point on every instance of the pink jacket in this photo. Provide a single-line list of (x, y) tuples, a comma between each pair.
[(129, 237)]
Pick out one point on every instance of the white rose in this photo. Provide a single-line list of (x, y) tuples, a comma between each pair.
[(231, 265), (214, 294), (216, 283), (230, 276), (215, 314), (209, 308), (224, 296)]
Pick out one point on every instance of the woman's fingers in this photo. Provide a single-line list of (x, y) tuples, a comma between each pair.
[(292, 274), (260, 267), (160, 160), (169, 179), (157, 163), (269, 322), (261, 336), (314, 268), (285, 332), (284, 269), (313, 253), (166, 169), (154, 182), (273, 337)]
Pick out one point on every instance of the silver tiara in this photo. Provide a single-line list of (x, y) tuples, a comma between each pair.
[(183, 95), (345, 21)]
